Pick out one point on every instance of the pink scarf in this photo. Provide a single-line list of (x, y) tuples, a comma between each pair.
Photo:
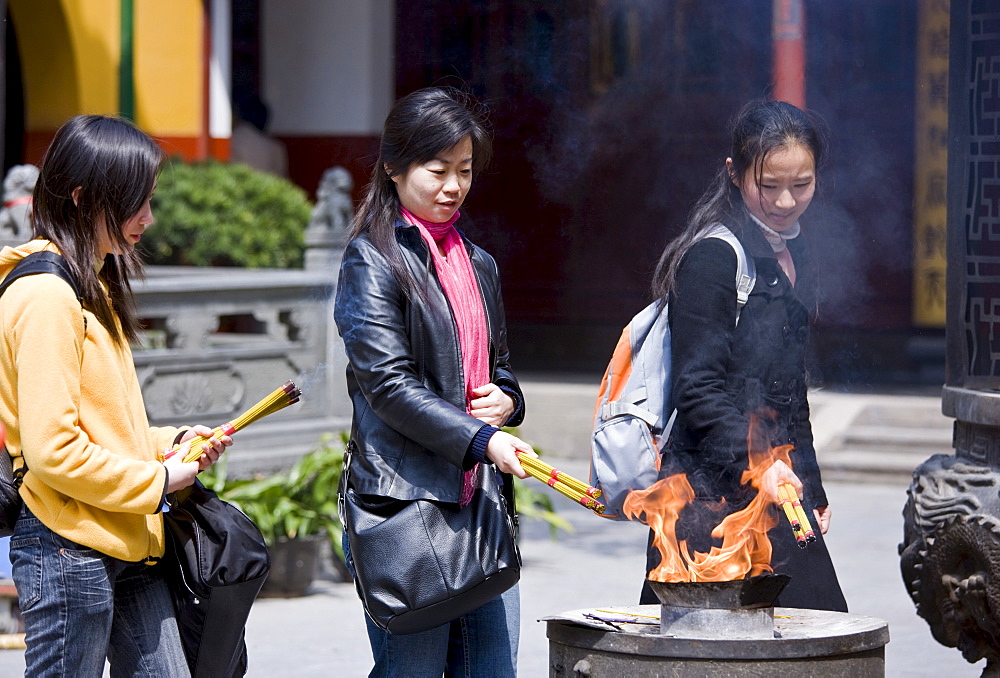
[(458, 280)]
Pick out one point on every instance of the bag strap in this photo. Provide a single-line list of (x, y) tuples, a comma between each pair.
[(33, 264), (345, 478), (746, 270), (43, 262), (618, 408)]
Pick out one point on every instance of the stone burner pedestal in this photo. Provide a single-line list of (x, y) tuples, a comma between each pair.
[(598, 643)]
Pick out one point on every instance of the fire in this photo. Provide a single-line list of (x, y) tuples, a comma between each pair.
[(745, 549)]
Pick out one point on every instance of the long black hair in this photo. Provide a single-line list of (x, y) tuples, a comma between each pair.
[(758, 129), (419, 127), (96, 175)]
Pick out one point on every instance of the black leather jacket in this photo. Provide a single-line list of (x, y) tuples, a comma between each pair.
[(410, 430)]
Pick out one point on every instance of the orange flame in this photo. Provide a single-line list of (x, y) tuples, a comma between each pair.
[(745, 549)]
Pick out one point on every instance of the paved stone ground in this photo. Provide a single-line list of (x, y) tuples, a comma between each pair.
[(601, 563)]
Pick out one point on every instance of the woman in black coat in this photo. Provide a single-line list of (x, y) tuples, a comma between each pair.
[(420, 311), (726, 372)]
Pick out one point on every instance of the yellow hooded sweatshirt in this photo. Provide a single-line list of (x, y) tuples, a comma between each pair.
[(71, 401)]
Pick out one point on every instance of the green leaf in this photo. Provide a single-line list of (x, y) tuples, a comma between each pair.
[(219, 214)]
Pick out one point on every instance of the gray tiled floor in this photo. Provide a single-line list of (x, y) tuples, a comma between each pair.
[(601, 564)]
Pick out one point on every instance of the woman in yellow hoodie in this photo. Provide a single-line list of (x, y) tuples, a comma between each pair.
[(85, 548)]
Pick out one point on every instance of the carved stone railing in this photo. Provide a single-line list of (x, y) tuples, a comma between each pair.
[(219, 340)]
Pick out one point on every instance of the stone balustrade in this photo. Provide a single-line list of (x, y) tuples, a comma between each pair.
[(220, 339)]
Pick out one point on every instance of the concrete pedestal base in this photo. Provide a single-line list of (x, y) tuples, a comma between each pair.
[(806, 643)]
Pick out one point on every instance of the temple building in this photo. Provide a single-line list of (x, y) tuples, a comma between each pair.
[(609, 118)]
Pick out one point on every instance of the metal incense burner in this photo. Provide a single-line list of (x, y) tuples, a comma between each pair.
[(740, 609), (712, 629)]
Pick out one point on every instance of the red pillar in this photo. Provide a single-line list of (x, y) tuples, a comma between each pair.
[(788, 31), (203, 141)]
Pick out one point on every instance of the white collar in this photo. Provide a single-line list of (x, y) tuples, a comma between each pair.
[(776, 239)]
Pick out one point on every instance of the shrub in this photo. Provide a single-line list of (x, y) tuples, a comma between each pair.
[(301, 502), (219, 214)]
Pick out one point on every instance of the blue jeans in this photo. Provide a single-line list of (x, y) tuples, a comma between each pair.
[(81, 606), (481, 644)]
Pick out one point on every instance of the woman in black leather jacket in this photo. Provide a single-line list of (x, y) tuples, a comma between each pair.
[(724, 373), (420, 311)]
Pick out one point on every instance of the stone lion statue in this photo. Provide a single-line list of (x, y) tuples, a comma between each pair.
[(15, 217), (330, 220), (333, 211)]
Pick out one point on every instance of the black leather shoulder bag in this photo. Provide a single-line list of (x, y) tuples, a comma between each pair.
[(421, 563)]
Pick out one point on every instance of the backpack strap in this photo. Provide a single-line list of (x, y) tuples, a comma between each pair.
[(33, 264), (746, 270), (618, 408), (42, 262)]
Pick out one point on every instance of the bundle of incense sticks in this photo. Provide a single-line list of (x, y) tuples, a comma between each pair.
[(565, 484), (797, 517), (279, 399)]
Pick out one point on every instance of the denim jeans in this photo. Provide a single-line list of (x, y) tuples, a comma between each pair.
[(81, 606), (481, 644)]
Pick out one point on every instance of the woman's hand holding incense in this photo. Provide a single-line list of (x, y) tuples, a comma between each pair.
[(182, 474), (823, 518), (491, 405), (779, 474), (502, 450), (218, 444)]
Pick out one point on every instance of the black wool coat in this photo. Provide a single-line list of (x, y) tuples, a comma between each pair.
[(724, 371)]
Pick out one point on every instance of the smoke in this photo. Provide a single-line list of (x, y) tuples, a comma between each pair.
[(612, 121)]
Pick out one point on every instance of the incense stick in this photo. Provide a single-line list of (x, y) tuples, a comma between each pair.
[(568, 489), (631, 614), (800, 513), (556, 474), (793, 519), (280, 398), (804, 520)]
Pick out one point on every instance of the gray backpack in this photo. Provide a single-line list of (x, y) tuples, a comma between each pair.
[(635, 409)]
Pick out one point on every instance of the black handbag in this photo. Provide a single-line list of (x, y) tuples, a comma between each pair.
[(10, 497), (216, 561), (421, 563)]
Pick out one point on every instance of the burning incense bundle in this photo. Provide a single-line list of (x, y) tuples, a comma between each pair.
[(796, 515), (793, 518), (279, 399), (565, 484)]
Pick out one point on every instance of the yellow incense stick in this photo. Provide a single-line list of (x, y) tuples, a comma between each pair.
[(556, 474), (565, 490), (630, 614), (800, 512), (277, 400), (793, 519)]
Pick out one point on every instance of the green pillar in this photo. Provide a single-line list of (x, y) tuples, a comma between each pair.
[(126, 70)]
